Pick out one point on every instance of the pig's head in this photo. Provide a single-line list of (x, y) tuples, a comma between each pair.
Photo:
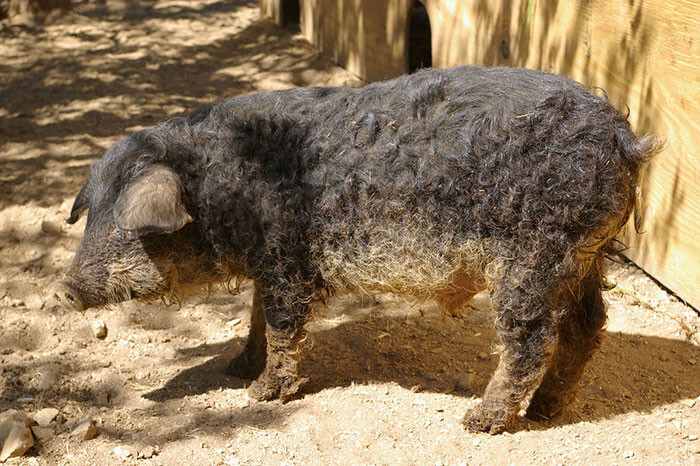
[(137, 233)]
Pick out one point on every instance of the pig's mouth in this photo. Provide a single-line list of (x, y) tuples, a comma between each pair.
[(72, 296), (68, 295)]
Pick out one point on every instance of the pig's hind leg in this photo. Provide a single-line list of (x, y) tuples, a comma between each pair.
[(251, 362), (526, 327), (580, 335)]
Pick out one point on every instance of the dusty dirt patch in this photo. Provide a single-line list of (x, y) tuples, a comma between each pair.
[(383, 370)]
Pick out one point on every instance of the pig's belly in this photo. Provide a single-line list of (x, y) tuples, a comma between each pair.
[(408, 261)]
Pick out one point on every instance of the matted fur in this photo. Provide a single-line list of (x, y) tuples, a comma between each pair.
[(435, 185)]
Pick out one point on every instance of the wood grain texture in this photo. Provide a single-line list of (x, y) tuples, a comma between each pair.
[(367, 37)]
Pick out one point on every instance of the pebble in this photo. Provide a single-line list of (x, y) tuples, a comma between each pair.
[(42, 434), (628, 454), (483, 356), (86, 430), (99, 329), (147, 452), (688, 403), (45, 416), (692, 437), (123, 451), (51, 228), (15, 434)]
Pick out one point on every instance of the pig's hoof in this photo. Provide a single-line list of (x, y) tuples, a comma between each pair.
[(543, 408), (285, 390), (263, 390), (244, 366), (480, 420), (290, 387)]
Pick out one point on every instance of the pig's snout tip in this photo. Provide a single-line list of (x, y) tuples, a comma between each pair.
[(67, 296)]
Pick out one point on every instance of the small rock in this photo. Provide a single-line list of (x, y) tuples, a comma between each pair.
[(692, 437), (464, 383), (12, 415), (231, 461), (99, 329), (42, 434), (123, 451), (483, 356), (15, 434), (628, 454), (147, 452), (51, 228), (45, 416), (688, 403), (86, 430)]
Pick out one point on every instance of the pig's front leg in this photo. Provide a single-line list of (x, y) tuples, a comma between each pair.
[(251, 362), (286, 311)]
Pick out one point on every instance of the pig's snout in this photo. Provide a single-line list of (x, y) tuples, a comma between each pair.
[(67, 296)]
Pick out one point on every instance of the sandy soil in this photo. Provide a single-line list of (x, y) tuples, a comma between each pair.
[(383, 370)]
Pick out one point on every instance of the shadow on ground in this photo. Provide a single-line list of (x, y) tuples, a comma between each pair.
[(112, 82), (631, 373)]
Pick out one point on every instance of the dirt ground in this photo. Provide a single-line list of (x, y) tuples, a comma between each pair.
[(382, 370)]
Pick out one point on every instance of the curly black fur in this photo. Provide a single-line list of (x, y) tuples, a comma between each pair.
[(437, 185)]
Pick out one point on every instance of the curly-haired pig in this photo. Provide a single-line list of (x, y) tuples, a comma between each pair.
[(435, 185)]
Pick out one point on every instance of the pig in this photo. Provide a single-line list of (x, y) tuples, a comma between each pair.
[(436, 185)]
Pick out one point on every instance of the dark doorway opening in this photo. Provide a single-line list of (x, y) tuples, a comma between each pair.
[(419, 38), (291, 14)]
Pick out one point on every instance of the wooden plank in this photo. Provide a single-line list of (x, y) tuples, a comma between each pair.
[(364, 36), (669, 250)]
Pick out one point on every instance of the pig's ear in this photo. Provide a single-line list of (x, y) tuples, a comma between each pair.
[(80, 204), (152, 203)]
